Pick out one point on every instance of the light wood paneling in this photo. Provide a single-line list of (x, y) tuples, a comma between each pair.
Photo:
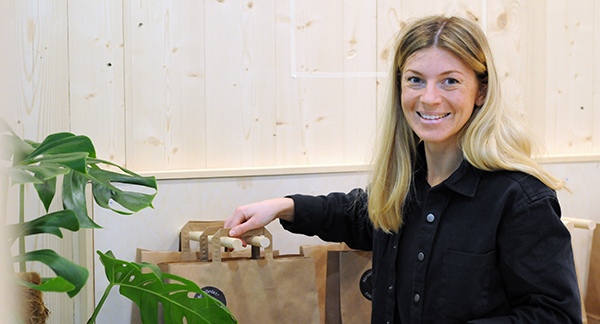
[(40, 96), (96, 76), (334, 61), (569, 77), (289, 133), (163, 85), (517, 35), (240, 71), (596, 79), (165, 97)]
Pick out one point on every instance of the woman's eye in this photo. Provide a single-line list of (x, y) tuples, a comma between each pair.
[(451, 81), (414, 80)]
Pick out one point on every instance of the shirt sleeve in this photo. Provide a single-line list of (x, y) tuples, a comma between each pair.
[(537, 267), (336, 217)]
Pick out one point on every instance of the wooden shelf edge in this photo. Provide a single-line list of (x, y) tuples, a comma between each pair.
[(342, 168), (255, 172)]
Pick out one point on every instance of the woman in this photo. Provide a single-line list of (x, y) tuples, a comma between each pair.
[(464, 226)]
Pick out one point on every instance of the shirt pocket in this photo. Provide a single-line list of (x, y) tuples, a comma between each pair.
[(466, 284)]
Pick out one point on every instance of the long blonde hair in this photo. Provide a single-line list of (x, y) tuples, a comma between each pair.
[(493, 139)]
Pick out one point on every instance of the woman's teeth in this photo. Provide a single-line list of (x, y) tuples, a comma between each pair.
[(432, 117)]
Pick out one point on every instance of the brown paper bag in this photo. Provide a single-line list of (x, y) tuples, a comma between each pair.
[(319, 254), (348, 291), (592, 300), (266, 290), (156, 257)]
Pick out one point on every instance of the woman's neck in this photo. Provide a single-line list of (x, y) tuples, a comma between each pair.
[(442, 161)]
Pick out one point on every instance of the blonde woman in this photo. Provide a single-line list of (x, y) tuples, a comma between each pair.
[(464, 226)]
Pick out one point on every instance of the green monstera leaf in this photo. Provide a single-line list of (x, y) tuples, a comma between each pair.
[(148, 290), (70, 276), (72, 158), (47, 224)]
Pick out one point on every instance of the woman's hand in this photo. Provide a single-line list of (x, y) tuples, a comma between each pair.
[(259, 214)]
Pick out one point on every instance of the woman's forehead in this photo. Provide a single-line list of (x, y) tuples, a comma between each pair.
[(442, 58)]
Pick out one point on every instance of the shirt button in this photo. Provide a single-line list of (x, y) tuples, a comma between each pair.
[(417, 297), (391, 287), (420, 256), (430, 218)]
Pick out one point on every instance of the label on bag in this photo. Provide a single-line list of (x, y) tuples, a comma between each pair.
[(366, 285), (213, 292)]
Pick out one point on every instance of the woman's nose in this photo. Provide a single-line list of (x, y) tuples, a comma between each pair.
[(431, 95)]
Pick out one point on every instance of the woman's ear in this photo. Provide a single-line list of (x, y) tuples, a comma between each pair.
[(482, 95)]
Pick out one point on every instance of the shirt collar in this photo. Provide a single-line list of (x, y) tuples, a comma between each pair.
[(463, 181)]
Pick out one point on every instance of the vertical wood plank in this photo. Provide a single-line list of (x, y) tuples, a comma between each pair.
[(42, 105), (516, 31), (360, 92), (569, 58), (96, 76), (8, 100), (41, 101), (241, 71), (258, 83), (224, 38), (165, 85), (596, 80), (319, 67), (335, 63), (389, 22), (97, 100), (289, 139)]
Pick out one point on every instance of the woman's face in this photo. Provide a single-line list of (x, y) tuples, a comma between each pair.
[(439, 93)]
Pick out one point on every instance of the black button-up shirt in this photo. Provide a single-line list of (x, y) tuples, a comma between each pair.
[(481, 247)]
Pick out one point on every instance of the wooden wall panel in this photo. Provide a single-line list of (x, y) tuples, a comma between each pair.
[(596, 79), (8, 37), (41, 74), (289, 139), (96, 74), (516, 31), (334, 60), (96, 88), (37, 50), (240, 72), (9, 95), (360, 92), (247, 86), (319, 65), (569, 77), (165, 79)]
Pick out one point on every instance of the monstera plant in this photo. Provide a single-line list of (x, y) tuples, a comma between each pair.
[(71, 160)]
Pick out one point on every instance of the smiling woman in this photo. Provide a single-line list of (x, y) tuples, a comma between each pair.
[(464, 226)]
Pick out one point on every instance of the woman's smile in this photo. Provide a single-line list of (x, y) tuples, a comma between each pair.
[(432, 117)]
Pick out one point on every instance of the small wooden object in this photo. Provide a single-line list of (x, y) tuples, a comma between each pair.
[(213, 237)]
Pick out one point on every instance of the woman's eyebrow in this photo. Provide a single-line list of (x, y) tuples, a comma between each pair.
[(443, 73)]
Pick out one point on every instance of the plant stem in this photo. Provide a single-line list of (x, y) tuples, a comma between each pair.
[(22, 265), (100, 303)]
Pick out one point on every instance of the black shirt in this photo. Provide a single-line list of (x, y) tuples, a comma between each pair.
[(482, 247)]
